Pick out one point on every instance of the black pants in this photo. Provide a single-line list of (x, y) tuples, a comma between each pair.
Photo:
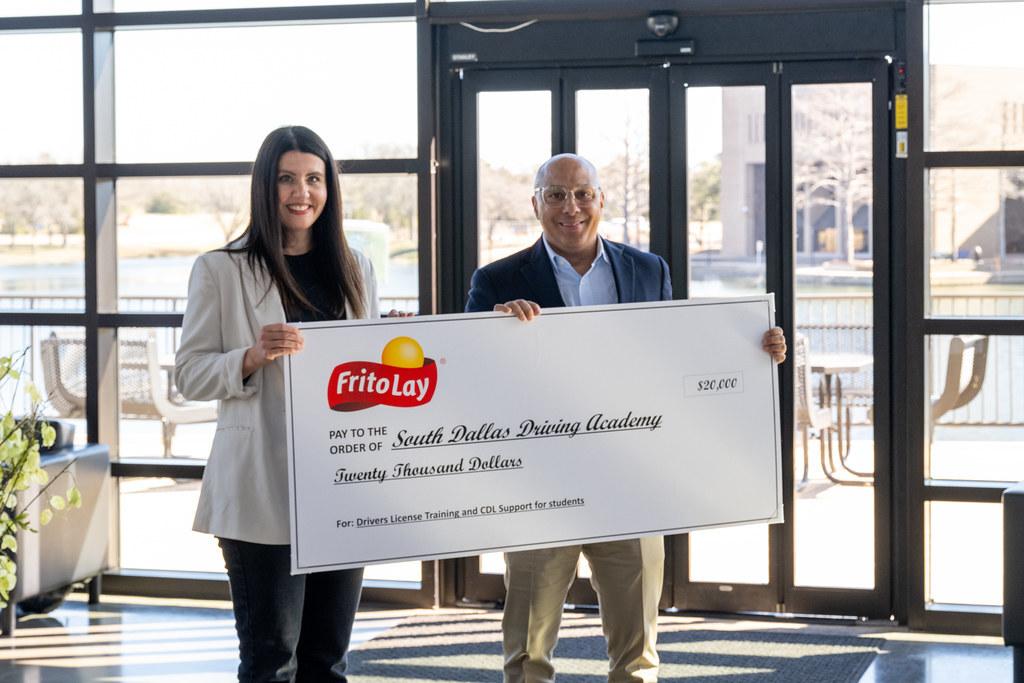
[(290, 628)]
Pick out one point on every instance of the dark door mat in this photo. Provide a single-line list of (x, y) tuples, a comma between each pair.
[(467, 648)]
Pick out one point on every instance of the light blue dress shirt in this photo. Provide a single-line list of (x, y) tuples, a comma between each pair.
[(596, 286)]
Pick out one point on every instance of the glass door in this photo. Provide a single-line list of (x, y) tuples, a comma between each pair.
[(784, 171), (835, 222), (607, 116), (747, 178), (725, 183), (513, 121), (510, 125)]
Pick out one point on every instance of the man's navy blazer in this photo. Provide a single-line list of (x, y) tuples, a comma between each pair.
[(639, 276)]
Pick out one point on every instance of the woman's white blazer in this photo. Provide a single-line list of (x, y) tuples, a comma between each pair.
[(245, 487)]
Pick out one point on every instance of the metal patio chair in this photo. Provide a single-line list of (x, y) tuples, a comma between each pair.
[(965, 373), (146, 389), (808, 414)]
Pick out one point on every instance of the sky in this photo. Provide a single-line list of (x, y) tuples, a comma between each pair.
[(212, 94), (44, 70), (977, 33), (180, 92), (514, 128)]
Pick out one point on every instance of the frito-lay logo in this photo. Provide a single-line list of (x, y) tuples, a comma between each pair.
[(403, 379)]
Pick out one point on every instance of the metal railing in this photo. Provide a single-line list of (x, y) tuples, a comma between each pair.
[(14, 339), (144, 304), (843, 323), (831, 322)]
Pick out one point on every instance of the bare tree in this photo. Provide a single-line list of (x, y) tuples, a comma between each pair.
[(832, 156), (40, 207), (705, 192), (229, 208), (626, 180), (384, 199), (504, 201)]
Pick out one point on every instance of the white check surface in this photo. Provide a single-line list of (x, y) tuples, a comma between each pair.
[(589, 423)]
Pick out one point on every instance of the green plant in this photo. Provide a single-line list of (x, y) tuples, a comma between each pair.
[(21, 469)]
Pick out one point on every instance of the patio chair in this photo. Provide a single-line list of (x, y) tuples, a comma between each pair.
[(144, 391), (63, 363), (808, 415), (965, 373), (857, 397)]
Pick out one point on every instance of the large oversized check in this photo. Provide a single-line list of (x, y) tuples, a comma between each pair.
[(442, 436)]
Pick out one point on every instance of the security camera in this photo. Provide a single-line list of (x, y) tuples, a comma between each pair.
[(662, 24)]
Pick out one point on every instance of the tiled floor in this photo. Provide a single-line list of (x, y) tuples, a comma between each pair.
[(929, 658), (149, 641)]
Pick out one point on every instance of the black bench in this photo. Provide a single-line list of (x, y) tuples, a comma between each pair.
[(1013, 565)]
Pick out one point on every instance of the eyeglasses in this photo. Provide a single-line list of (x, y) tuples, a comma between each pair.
[(556, 195)]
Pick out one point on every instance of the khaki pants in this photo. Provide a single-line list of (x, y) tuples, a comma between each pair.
[(627, 577)]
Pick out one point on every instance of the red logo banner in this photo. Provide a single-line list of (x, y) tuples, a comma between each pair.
[(358, 385)]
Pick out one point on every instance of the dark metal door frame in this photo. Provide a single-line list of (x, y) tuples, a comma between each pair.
[(471, 585), (716, 596), (876, 603), (668, 238), (563, 84), (470, 85)]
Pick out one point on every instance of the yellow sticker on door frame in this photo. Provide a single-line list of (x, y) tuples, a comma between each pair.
[(901, 111)]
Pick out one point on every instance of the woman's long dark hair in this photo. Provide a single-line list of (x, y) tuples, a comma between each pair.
[(263, 241)]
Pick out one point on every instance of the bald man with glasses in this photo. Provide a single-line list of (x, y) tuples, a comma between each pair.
[(571, 265)]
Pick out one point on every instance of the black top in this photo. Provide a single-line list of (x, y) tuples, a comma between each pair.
[(303, 268)]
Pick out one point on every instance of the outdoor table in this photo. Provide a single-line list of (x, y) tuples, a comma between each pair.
[(831, 366)]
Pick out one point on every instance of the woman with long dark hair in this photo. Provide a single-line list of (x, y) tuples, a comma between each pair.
[(292, 264)]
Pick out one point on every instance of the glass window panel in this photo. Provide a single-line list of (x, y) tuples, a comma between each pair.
[(381, 221), (170, 504), (399, 571), (976, 242), (43, 124), (734, 555), (156, 527), (725, 161), (583, 570), (492, 563), (975, 76), (38, 8), (964, 553), (199, 83), (157, 5), (165, 223), (725, 184), (834, 501), (834, 543), (156, 420), (832, 179), (156, 532), (42, 249), (58, 373), (613, 132), (514, 138), (982, 439)]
